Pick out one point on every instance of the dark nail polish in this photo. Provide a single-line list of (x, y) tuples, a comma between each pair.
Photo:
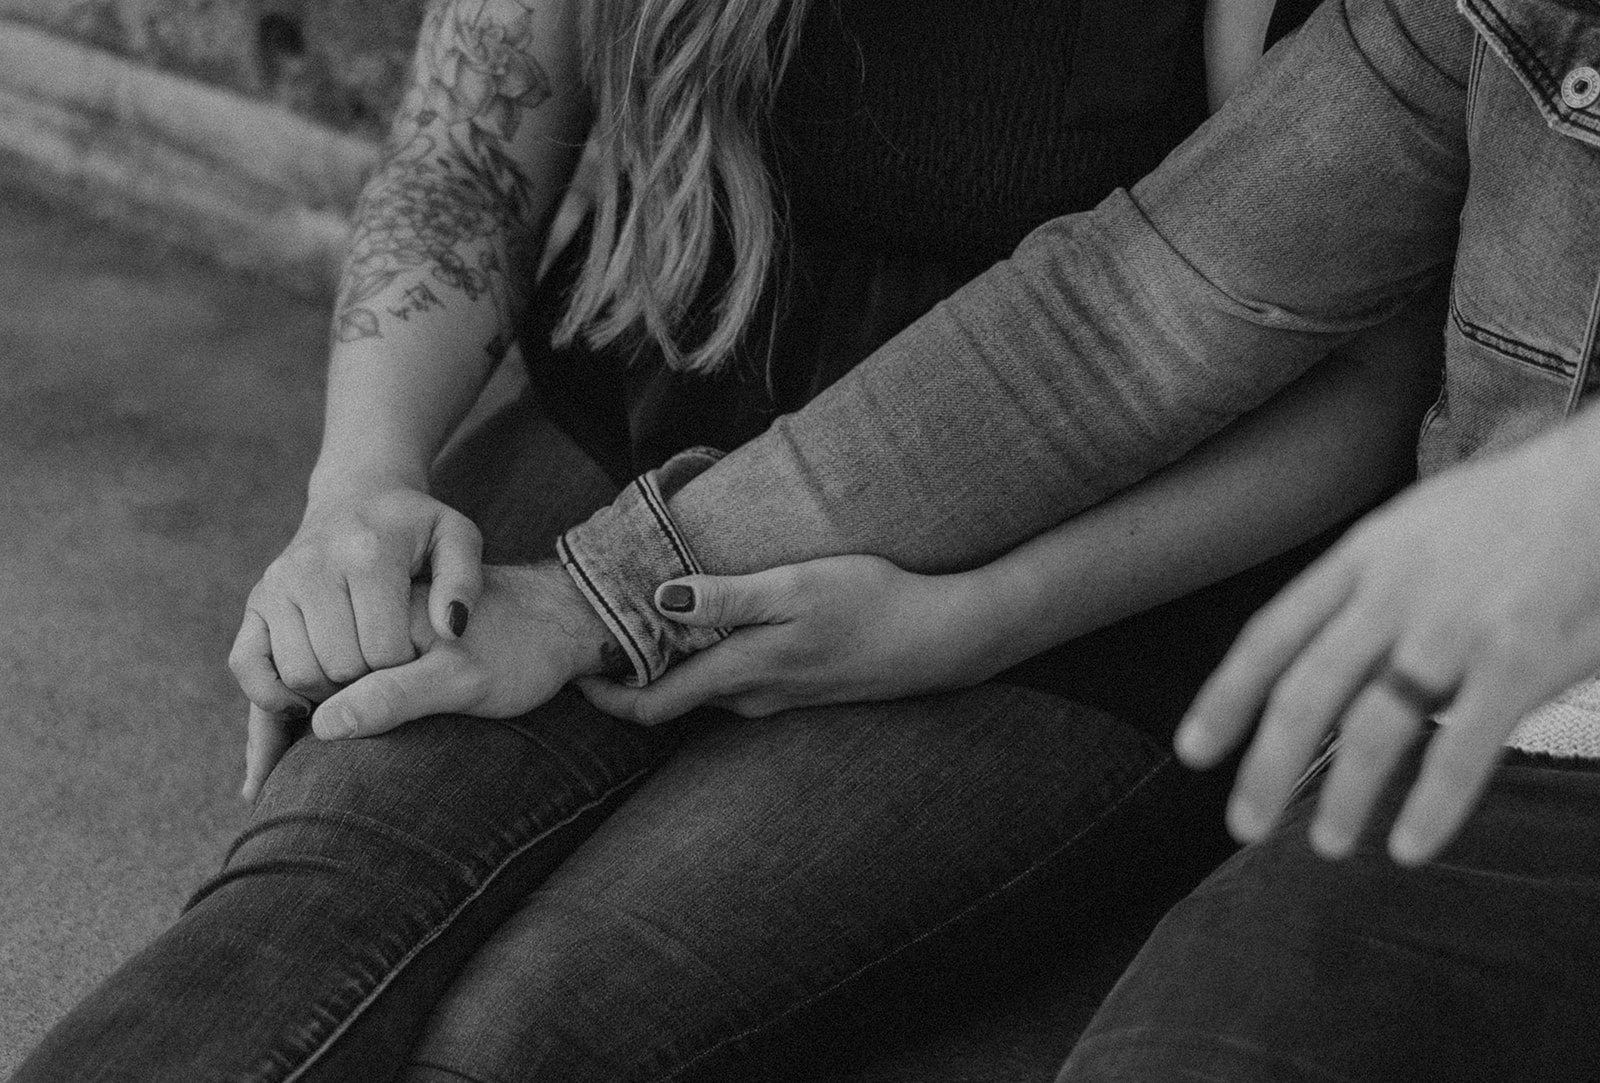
[(676, 598), (458, 618)]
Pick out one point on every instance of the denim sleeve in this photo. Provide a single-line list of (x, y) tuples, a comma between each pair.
[(1110, 343)]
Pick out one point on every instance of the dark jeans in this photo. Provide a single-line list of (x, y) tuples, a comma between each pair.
[(1483, 965), (566, 897)]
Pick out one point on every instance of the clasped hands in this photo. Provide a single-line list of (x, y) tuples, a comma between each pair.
[(344, 630), (1476, 593)]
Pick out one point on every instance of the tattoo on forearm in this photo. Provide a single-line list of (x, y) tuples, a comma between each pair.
[(449, 201)]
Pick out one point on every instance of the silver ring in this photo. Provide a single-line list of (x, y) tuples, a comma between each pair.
[(1413, 693)]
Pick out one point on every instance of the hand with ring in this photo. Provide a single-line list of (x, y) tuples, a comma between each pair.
[(1474, 596)]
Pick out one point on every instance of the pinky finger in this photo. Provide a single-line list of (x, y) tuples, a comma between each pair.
[(252, 666), (266, 740)]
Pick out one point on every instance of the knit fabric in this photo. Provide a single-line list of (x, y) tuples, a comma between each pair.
[(947, 128), (1568, 726)]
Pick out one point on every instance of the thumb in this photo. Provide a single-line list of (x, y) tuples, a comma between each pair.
[(386, 698), (690, 684), (728, 601), (456, 550)]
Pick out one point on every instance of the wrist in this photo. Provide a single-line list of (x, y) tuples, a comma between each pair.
[(344, 480), (588, 647)]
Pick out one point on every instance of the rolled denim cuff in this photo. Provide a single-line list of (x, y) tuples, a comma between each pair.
[(621, 553)]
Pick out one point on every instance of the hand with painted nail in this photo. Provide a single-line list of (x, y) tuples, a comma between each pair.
[(834, 630), (1475, 596), (531, 632), (336, 604)]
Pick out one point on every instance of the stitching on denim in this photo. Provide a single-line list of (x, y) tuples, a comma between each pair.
[(439, 929), (1509, 347), (569, 560), (653, 504), (1532, 65), (658, 508), (1138, 786)]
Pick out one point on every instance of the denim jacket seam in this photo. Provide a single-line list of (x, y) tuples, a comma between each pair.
[(654, 501), (608, 614), (1511, 348), (1525, 58)]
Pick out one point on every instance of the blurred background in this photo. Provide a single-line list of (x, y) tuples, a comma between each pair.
[(175, 179)]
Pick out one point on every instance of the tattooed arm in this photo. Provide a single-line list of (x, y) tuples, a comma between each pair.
[(448, 228), (480, 153)]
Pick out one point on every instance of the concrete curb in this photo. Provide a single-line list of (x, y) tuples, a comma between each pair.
[(242, 181)]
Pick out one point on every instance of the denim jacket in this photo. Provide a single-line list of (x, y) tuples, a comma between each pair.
[(1385, 140)]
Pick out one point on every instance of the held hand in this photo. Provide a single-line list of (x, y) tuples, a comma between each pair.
[(835, 630), (1479, 591), (336, 603), (531, 633)]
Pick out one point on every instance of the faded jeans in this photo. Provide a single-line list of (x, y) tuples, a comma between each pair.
[(563, 896), (1483, 965)]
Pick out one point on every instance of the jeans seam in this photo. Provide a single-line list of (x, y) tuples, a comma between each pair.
[(450, 919), (1137, 786)]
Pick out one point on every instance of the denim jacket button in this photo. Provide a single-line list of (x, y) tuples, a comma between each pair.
[(1580, 88)]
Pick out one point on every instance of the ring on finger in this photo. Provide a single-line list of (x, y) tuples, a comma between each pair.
[(1417, 694)]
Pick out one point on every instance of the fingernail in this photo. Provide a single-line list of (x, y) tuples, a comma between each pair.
[(1190, 742), (675, 598), (1244, 820), (458, 618), (1330, 843), (341, 724), (1405, 848), (297, 712)]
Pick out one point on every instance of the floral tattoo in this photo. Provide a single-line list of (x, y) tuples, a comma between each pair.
[(449, 200)]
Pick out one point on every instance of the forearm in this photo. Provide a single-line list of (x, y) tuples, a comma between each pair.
[(447, 233), (1108, 346), (1336, 442)]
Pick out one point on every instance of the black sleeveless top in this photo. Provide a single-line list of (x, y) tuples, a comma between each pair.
[(913, 142)]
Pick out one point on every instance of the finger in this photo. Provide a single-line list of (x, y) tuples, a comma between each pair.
[(692, 683), (380, 701), (330, 624), (1233, 698), (381, 602), (1378, 729), (728, 601), (1458, 764), (1310, 696), (457, 567), (266, 739), (252, 666)]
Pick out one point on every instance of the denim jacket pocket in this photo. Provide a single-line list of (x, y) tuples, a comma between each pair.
[(1523, 297)]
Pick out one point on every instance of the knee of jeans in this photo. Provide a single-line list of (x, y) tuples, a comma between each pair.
[(583, 990)]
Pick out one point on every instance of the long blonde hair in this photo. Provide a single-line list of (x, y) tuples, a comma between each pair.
[(682, 89)]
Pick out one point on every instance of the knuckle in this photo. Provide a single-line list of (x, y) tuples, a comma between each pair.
[(390, 654), (346, 671), (359, 548), (1290, 701), (465, 530)]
